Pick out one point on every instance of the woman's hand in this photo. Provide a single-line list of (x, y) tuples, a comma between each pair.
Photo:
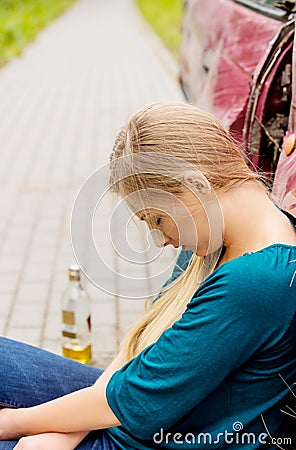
[(70, 413), (10, 430), (49, 441), (8, 424)]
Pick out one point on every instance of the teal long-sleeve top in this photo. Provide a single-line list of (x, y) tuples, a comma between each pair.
[(219, 377)]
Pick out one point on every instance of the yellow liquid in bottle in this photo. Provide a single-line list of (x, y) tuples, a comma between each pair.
[(81, 355)]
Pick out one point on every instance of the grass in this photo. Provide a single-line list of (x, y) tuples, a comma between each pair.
[(21, 20), (165, 17)]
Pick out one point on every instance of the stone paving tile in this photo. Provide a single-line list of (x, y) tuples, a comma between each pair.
[(27, 315), (62, 104), (27, 335), (32, 293), (36, 273), (52, 345), (3, 321), (128, 316), (103, 312), (6, 304), (52, 327), (8, 280), (104, 341)]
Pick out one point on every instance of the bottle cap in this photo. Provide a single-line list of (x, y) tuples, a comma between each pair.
[(74, 273)]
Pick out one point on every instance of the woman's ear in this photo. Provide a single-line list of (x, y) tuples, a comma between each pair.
[(196, 180)]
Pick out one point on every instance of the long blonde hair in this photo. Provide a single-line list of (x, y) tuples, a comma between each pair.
[(188, 134)]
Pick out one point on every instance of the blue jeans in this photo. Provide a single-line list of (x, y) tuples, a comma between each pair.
[(30, 375)]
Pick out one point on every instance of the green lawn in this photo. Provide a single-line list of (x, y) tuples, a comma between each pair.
[(165, 18), (21, 20)]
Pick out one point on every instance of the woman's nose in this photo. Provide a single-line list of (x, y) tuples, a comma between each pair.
[(166, 240), (157, 237)]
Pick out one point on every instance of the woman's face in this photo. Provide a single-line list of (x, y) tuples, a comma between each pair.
[(186, 223)]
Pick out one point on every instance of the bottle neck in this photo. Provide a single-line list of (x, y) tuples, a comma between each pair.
[(74, 283)]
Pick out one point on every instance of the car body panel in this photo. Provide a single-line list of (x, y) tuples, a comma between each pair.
[(284, 186), (265, 98), (228, 42), (233, 59)]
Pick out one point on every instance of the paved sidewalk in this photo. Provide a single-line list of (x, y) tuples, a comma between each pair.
[(62, 103)]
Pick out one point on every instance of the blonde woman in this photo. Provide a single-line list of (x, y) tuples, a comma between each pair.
[(210, 363)]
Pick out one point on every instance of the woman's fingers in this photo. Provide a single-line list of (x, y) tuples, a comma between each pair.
[(47, 441)]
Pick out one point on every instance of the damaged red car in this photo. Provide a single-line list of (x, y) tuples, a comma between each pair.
[(237, 60)]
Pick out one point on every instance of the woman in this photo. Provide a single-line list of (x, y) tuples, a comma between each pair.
[(213, 358)]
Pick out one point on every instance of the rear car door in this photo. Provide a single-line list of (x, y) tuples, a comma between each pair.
[(222, 43)]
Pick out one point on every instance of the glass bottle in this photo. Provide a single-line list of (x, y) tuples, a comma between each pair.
[(76, 319)]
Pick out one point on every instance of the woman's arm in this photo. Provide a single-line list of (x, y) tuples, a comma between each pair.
[(83, 410)]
